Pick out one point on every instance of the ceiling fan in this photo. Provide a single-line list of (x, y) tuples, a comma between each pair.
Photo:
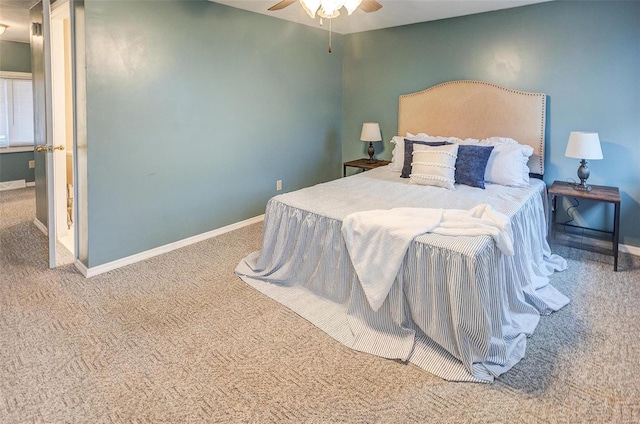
[(331, 8)]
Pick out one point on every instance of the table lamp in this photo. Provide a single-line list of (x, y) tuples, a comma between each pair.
[(370, 132), (583, 145)]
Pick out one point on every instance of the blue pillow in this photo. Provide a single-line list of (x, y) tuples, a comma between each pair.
[(408, 153), (471, 164)]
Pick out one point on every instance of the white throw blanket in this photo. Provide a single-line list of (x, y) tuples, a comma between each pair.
[(378, 240)]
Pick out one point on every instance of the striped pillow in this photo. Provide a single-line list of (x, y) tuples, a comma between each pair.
[(435, 166)]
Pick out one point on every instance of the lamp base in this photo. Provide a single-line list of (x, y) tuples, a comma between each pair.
[(583, 174), (371, 151), (581, 187)]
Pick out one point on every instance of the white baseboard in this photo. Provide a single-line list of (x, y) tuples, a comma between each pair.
[(31, 183), (41, 227), (629, 249), (110, 266), (80, 267), (12, 185)]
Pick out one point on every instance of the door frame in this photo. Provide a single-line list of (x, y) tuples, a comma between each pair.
[(62, 112), (41, 35), (80, 155)]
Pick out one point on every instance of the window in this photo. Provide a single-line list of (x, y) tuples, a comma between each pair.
[(16, 111)]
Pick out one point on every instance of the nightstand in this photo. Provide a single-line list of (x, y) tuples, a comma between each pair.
[(598, 194), (363, 164)]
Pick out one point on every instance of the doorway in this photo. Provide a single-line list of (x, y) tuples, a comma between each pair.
[(62, 116)]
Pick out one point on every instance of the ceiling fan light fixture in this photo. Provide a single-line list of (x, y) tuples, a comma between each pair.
[(328, 9), (351, 5), (311, 7), (324, 15), (331, 7)]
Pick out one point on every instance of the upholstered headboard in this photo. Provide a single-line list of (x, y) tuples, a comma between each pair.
[(475, 109)]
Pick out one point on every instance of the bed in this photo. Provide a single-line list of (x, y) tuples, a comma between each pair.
[(459, 307)]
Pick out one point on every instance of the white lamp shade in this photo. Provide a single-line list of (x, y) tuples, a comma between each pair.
[(583, 145), (370, 132)]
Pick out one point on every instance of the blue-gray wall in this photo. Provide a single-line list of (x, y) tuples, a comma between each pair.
[(15, 57), (584, 55), (15, 166), (190, 124), (194, 110)]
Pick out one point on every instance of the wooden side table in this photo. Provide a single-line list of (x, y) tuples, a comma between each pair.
[(363, 164), (598, 194)]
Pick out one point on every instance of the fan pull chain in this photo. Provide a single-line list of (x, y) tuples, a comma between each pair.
[(330, 35)]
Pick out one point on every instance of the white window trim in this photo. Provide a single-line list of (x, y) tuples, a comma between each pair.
[(15, 75), (17, 149)]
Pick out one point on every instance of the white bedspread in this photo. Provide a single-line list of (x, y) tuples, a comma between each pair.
[(377, 240)]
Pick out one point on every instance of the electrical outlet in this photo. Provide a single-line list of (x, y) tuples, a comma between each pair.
[(32, 164), (278, 185)]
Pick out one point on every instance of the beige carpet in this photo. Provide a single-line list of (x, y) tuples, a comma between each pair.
[(179, 338)]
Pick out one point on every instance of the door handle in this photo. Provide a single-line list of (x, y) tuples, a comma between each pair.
[(49, 148)]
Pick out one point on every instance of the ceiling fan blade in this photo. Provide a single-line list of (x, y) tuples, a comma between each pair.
[(281, 5), (370, 6)]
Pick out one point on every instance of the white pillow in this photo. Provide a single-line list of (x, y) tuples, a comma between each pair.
[(435, 166), (507, 164), (427, 137), (397, 155), (491, 141)]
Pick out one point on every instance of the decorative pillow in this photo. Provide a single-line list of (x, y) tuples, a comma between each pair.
[(408, 153), (435, 166), (507, 164), (471, 164)]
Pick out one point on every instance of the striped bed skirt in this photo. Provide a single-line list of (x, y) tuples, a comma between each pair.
[(459, 308)]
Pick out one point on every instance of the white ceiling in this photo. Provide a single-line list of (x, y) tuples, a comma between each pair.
[(15, 13), (393, 12)]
